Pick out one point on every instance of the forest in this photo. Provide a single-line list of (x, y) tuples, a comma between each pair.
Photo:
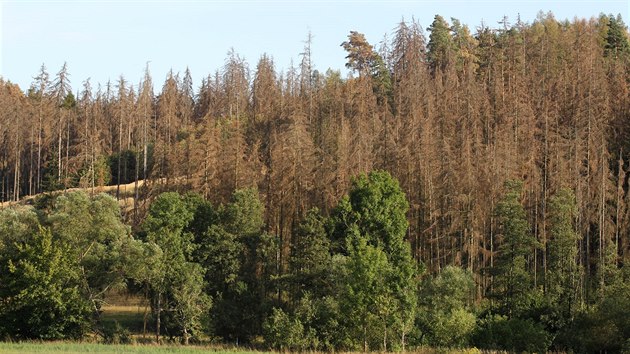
[(458, 188)]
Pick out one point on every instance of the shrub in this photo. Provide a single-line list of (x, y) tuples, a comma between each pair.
[(500, 333), (283, 332), (116, 334)]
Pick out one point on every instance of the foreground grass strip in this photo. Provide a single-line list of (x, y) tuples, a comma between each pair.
[(72, 348)]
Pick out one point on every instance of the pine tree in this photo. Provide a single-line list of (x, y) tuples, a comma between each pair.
[(563, 273), (513, 281)]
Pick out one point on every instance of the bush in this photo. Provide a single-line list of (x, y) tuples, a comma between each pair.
[(40, 295), (283, 332), (605, 326), (455, 329), (444, 319), (500, 333), (116, 334)]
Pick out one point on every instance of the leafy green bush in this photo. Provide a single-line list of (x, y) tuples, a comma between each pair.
[(116, 334), (444, 319), (40, 290), (283, 332), (500, 333), (604, 327)]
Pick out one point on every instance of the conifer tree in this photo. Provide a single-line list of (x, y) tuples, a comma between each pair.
[(513, 281)]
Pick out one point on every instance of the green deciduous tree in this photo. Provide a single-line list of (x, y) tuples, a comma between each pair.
[(190, 302), (16, 225), (244, 215), (444, 315), (283, 332), (221, 255), (92, 230), (377, 206), (367, 298), (372, 221), (90, 252), (239, 262), (40, 288), (169, 216)]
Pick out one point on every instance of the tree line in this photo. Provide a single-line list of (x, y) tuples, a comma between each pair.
[(350, 283), (510, 145)]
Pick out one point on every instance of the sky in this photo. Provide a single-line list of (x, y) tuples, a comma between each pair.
[(104, 39)]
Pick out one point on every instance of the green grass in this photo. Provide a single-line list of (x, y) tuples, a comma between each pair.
[(75, 348), (128, 312), (129, 317)]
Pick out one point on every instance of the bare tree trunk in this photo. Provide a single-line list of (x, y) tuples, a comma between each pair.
[(59, 165), (158, 323), (402, 341), (602, 218), (30, 164), (186, 336), (67, 150), (365, 343), (620, 179), (119, 153), (16, 175), (39, 150), (385, 338), (136, 195)]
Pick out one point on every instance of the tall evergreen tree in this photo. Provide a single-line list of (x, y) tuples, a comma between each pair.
[(513, 282), (440, 44)]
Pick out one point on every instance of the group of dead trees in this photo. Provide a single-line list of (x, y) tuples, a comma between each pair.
[(452, 115)]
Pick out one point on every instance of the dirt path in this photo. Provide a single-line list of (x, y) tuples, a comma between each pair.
[(125, 189)]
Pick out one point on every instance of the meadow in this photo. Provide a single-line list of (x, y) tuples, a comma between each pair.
[(71, 348)]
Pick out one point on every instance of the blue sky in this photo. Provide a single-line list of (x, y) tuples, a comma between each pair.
[(103, 39)]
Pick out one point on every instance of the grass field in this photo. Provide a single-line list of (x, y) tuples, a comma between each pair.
[(130, 317), (75, 348)]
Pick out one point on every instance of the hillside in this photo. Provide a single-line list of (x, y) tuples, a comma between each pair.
[(490, 160)]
